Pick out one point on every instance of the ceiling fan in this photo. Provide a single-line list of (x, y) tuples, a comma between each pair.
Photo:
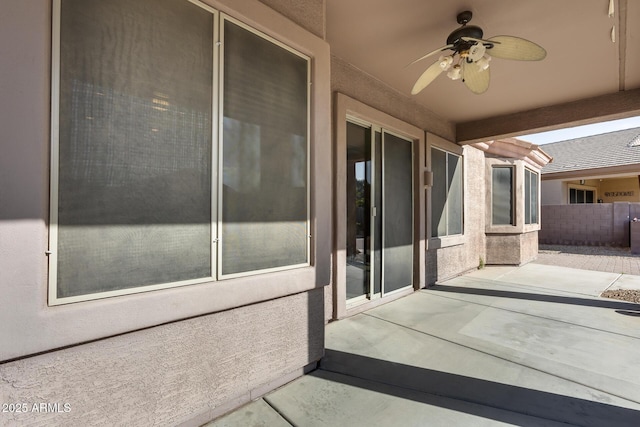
[(469, 61)]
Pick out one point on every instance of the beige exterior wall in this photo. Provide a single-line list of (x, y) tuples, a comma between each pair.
[(450, 256), (619, 190), (607, 189), (184, 372), (180, 355), (512, 249)]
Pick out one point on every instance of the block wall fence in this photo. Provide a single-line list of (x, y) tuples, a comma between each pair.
[(601, 224)]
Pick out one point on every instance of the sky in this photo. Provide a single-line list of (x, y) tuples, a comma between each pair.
[(581, 131)]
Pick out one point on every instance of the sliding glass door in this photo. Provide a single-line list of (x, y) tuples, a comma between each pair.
[(379, 208)]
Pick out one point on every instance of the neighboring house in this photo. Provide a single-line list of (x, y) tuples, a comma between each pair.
[(591, 190), (595, 169)]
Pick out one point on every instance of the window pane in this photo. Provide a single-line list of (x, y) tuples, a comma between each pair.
[(573, 198), (438, 193), (589, 196), (502, 205), (264, 196), (454, 198), (580, 196), (534, 198), (134, 189), (527, 197), (358, 212)]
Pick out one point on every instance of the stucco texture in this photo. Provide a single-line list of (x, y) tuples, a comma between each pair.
[(448, 261), (309, 14), (512, 249), (168, 374)]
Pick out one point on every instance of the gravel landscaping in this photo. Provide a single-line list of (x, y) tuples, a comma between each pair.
[(623, 294)]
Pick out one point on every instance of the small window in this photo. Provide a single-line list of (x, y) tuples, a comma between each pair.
[(530, 197), (577, 195), (502, 196), (446, 194)]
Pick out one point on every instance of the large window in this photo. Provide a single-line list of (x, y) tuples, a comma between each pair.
[(167, 167), (502, 196), (530, 197), (446, 193)]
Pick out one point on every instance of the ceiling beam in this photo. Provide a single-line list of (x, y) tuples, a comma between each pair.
[(613, 106)]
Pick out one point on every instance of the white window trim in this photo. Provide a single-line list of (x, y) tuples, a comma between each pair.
[(53, 298), (216, 191), (218, 264), (537, 175), (434, 141), (446, 203), (519, 226), (581, 187)]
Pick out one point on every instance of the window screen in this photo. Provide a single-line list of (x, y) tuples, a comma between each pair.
[(133, 172), (446, 194), (134, 189), (502, 196), (264, 194), (454, 198), (530, 197)]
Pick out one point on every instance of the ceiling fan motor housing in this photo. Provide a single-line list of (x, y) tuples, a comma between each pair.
[(455, 38)]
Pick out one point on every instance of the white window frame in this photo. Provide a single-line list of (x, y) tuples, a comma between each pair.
[(446, 202), (216, 181), (582, 188), (514, 213), (537, 207), (223, 18)]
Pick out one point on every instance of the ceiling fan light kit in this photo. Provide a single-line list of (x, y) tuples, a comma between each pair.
[(471, 55)]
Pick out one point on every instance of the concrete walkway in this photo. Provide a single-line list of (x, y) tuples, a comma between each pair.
[(527, 346)]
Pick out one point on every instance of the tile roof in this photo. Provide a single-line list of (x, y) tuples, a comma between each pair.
[(598, 151)]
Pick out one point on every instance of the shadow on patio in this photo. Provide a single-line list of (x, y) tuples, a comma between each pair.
[(518, 346)]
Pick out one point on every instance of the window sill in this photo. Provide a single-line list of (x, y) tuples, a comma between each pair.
[(447, 241)]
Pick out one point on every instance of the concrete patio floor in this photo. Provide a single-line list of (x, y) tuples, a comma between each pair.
[(528, 346)]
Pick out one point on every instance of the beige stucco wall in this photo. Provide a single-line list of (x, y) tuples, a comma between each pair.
[(512, 249), (349, 80), (309, 14), (185, 371), (456, 255), (155, 358)]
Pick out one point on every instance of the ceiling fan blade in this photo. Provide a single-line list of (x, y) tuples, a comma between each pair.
[(473, 39), (477, 80), (427, 77), (510, 47), (438, 50)]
